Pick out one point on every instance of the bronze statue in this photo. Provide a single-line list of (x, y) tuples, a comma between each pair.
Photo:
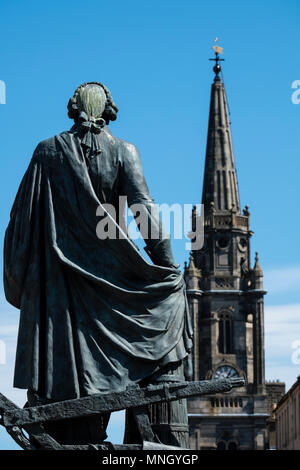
[(95, 316)]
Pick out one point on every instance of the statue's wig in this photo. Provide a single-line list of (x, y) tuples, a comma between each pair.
[(75, 103)]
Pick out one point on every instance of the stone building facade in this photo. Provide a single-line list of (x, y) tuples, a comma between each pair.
[(275, 391), (287, 417), (226, 301)]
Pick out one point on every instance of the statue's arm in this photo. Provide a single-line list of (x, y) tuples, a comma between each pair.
[(134, 186)]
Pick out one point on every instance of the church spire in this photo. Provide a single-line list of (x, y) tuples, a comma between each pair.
[(220, 181)]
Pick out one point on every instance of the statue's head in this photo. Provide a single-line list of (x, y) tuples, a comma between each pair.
[(95, 100)]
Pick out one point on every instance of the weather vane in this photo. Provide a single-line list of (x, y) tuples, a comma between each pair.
[(218, 50)]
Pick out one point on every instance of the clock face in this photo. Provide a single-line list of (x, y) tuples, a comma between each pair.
[(226, 372)]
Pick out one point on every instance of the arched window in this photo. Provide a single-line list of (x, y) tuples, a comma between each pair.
[(225, 333), (227, 445)]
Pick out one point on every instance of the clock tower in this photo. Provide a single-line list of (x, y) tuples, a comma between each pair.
[(226, 299)]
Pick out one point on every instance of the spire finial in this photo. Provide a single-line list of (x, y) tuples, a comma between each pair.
[(257, 269), (191, 267), (218, 50)]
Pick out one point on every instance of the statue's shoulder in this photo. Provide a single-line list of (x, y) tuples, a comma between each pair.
[(53, 146), (50, 147), (127, 149), (130, 149), (47, 146)]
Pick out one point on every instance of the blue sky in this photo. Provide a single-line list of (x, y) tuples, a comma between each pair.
[(154, 58)]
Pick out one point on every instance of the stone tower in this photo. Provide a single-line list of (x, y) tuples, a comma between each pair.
[(226, 300)]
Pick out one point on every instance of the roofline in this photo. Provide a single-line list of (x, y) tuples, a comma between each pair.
[(287, 394)]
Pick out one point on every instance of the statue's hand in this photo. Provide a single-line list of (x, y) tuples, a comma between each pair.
[(160, 253), (175, 266)]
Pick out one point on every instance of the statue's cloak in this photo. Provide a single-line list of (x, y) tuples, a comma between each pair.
[(95, 316)]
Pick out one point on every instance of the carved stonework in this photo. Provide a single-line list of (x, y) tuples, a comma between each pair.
[(225, 308), (224, 283)]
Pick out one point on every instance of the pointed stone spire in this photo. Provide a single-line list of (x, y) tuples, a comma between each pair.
[(192, 266), (220, 181), (257, 269), (191, 273), (258, 274)]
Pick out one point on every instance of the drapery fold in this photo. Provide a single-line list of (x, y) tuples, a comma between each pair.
[(95, 316)]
